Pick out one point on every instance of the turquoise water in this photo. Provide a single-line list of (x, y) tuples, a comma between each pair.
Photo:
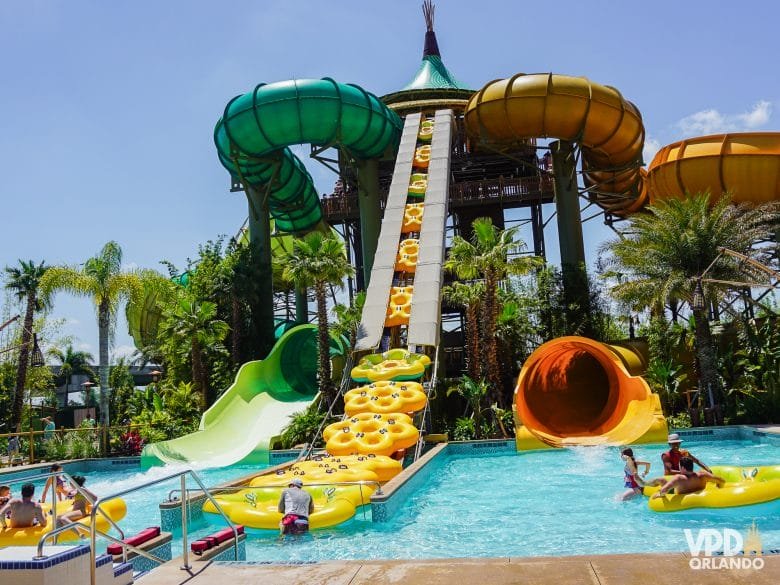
[(532, 504), (555, 503), (143, 505)]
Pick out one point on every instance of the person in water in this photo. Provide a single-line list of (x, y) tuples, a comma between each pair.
[(55, 482), (296, 505), (25, 512), (80, 503), (634, 481), (671, 458), (5, 495), (688, 481)]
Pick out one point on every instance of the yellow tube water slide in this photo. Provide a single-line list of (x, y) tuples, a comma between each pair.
[(607, 127), (577, 391)]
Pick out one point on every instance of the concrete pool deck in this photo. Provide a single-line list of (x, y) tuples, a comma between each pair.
[(655, 569)]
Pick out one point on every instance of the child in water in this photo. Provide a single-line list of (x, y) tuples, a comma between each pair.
[(634, 480)]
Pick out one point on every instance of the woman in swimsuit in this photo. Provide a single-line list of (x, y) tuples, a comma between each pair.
[(633, 480), (57, 482), (80, 503)]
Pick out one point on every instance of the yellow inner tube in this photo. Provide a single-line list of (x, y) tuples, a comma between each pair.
[(116, 510), (426, 130), (418, 184), (367, 433), (422, 157), (395, 364), (745, 486), (385, 397), (258, 507), (413, 215), (406, 260)]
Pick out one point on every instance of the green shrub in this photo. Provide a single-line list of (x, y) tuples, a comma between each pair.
[(465, 429), (681, 420)]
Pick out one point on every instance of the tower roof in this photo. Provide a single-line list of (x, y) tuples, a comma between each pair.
[(432, 73)]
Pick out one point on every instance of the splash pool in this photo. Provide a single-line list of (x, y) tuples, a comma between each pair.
[(532, 504)]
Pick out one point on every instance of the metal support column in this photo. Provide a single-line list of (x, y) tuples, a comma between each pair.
[(537, 229), (370, 212), (301, 306), (575, 280), (262, 310)]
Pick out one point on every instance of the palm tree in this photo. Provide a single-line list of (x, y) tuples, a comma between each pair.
[(474, 391), (348, 318), (469, 297), (316, 261), (488, 256), (101, 278), (24, 281), (193, 324), (73, 363), (667, 251)]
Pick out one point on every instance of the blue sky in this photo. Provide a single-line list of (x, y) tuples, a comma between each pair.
[(107, 108)]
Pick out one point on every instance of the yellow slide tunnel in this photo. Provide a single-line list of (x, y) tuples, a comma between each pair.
[(577, 391), (746, 164), (608, 128)]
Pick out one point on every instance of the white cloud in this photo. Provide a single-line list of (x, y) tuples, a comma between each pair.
[(71, 322), (84, 347), (122, 351), (714, 122), (651, 147), (130, 266)]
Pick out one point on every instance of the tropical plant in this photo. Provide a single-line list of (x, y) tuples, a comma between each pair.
[(668, 250), (73, 363), (665, 377), (302, 428), (101, 278), (490, 255), (25, 282), (468, 296), (464, 429), (348, 319), (474, 392), (317, 261), (191, 325), (122, 386)]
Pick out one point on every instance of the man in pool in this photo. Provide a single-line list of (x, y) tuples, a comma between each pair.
[(24, 512), (688, 481), (671, 458), (296, 505)]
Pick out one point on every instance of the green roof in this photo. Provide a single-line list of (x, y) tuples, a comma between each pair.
[(432, 74)]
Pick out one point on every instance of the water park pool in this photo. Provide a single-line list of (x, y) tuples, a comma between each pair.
[(532, 504)]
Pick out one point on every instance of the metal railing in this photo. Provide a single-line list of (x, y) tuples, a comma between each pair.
[(343, 386), (429, 391), (237, 488), (94, 532), (53, 476)]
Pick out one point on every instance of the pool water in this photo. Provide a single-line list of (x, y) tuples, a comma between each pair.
[(540, 503), (143, 505)]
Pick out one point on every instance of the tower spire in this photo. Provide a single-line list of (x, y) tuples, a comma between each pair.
[(431, 46)]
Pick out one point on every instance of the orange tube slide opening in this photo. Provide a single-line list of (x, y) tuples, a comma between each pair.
[(576, 387)]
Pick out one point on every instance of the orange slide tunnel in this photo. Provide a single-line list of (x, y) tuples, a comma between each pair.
[(577, 391)]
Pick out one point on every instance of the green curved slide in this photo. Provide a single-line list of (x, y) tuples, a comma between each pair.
[(254, 133), (242, 425)]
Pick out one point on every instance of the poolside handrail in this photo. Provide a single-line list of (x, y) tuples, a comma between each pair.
[(343, 385), (75, 486), (429, 391), (77, 526), (185, 551)]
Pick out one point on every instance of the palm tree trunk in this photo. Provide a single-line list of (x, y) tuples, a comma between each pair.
[(323, 344), (104, 324), (472, 340), (708, 361), (24, 362), (235, 329), (199, 373), (489, 344)]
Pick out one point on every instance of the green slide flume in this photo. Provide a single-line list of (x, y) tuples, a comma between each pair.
[(254, 133), (242, 425)]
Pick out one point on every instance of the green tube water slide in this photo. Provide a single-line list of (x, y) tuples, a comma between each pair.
[(252, 139), (256, 129), (243, 424)]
